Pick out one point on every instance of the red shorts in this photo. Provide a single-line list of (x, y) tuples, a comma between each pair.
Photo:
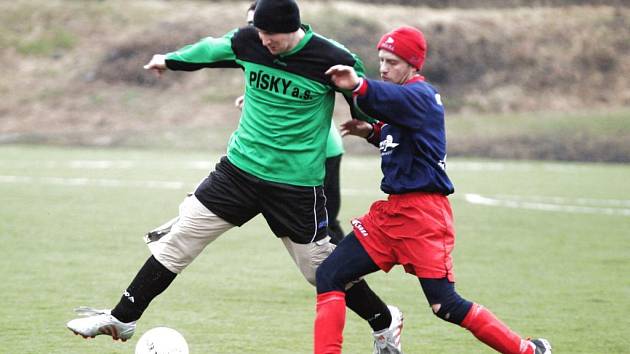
[(412, 229)]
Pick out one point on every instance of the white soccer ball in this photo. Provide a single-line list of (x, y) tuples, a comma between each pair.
[(162, 340)]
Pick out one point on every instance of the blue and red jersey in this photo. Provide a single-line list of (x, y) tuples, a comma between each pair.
[(411, 135)]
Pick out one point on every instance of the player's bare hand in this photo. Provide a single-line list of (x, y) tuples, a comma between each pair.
[(355, 127), (343, 76), (238, 102), (157, 64)]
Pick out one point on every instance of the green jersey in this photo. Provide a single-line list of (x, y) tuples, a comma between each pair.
[(285, 123), (334, 145)]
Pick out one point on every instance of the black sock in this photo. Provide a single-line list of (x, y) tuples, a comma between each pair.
[(152, 279), (365, 303)]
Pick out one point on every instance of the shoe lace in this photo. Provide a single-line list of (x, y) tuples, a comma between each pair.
[(89, 311)]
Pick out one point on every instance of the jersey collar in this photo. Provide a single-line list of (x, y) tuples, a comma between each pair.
[(415, 78), (308, 34)]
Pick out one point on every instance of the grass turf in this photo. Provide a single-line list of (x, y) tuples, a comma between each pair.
[(71, 222)]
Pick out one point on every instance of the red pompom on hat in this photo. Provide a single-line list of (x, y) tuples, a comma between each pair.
[(406, 42)]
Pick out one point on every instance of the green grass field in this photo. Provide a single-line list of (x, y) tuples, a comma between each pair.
[(546, 246)]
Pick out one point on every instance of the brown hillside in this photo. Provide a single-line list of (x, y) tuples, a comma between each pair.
[(73, 70)]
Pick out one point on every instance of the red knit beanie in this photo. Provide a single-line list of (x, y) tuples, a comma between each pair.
[(406, 42)]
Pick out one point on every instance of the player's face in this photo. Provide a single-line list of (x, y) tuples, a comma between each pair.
[(393, 69), (277, 43)]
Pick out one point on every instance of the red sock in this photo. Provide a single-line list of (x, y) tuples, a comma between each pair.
[(329, 322), (490, 330)]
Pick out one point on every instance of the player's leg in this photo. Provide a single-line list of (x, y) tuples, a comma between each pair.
[(483, 324), (297, 215), (333, 198), (347, 262), (429, 258), (196, 228), (225, 199), (226, 191), (156, 233), (359, 296)]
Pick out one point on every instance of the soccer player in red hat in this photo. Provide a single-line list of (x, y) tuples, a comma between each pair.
[(414, 226)]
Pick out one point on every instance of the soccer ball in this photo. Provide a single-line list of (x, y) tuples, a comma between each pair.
[(162, 340)]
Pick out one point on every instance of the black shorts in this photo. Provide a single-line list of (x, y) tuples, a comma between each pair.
[(291, 211)]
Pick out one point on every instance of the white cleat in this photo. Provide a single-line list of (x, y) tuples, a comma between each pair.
[(541, 346), (387, 341), (96, 322)]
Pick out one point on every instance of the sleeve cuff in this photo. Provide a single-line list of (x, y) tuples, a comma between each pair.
[(375, 136), (361, 88)]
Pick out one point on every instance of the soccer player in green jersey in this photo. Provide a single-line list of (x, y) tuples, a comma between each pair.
[(274, 164), (334, 152)]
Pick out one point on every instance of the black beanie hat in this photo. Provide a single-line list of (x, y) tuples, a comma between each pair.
[(277, 16)]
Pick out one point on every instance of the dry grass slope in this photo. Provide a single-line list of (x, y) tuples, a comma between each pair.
[(72, 70)]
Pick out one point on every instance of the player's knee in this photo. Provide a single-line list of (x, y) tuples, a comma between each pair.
[(327, 280), (445, 302), (172, 263), (310, 275), (323, 278), (308, 269), (453, 310), (319, 252)]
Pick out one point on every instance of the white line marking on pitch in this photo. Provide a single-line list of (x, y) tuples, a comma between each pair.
[(533, 205), (108, 164), (102, 182), (562, 200), (556, 204), (362, 164), (99, 182)]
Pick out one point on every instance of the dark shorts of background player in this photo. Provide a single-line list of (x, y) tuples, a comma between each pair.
[(333, 198), (291, 211)]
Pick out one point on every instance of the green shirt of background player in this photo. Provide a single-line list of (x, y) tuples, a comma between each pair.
[(274, 164)]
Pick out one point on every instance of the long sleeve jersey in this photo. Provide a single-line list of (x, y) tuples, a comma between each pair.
[(289, 101), (412, 138)]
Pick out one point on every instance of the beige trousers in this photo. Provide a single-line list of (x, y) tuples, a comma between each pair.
[(197, 227)]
